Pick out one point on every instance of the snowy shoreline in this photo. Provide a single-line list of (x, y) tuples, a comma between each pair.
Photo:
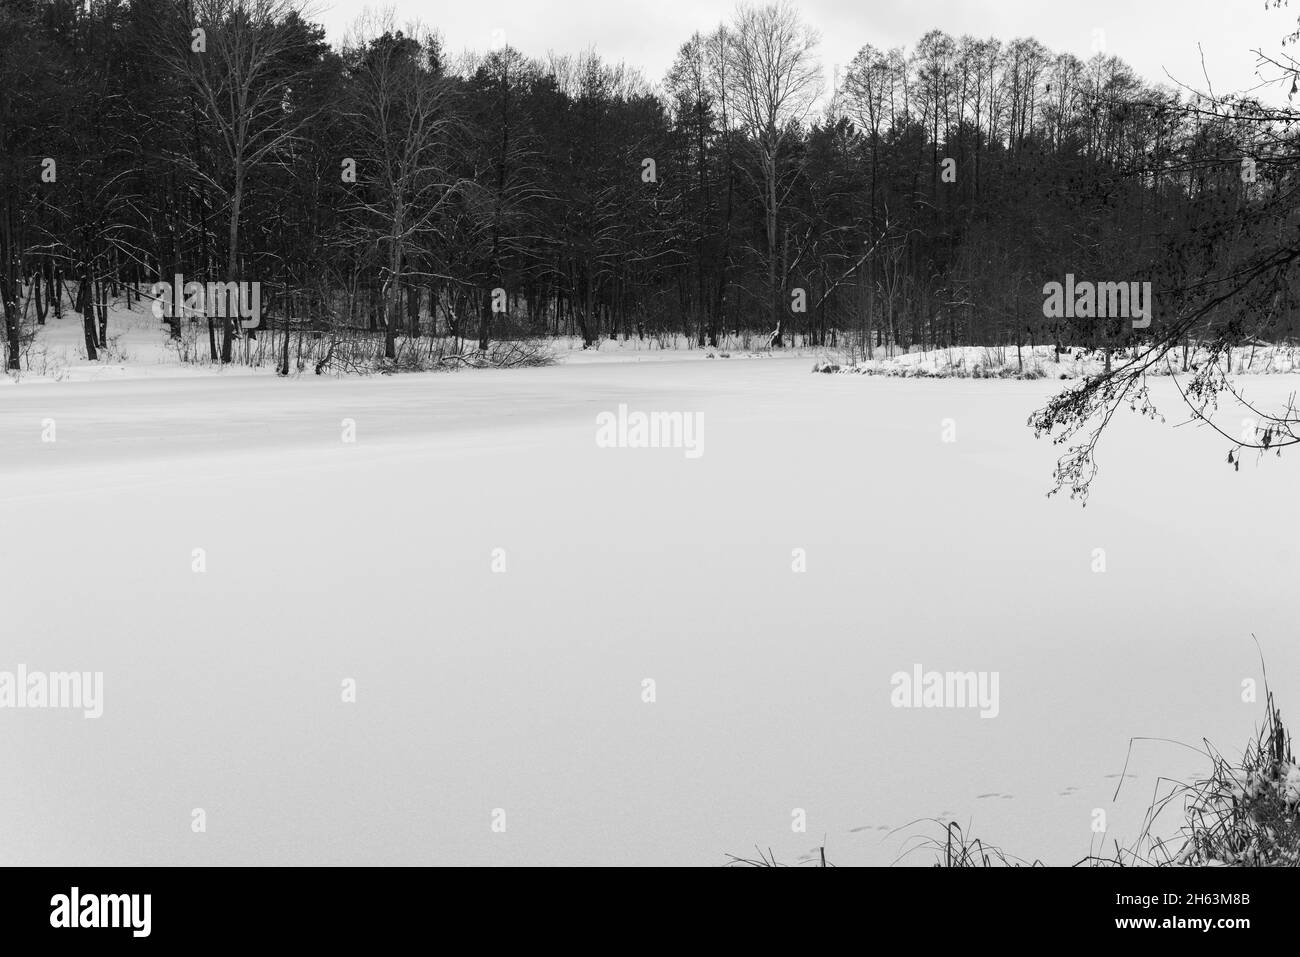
[(1044, 362)]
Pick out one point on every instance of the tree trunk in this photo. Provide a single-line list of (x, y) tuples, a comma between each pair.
[(485, 322), (390, 299), (778, 317), (86, 309), (103, 316), (413, 310), (41, 304), (232, 264), (11, 322)]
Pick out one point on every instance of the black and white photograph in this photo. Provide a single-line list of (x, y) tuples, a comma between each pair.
[(609, 434)]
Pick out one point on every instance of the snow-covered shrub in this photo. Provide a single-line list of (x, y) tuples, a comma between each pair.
[(1246, 813)]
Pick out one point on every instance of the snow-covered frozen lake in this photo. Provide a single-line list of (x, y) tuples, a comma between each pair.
[(478, 690)]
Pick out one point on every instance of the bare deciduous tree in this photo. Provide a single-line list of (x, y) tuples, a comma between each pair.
[(403, 112), (238, 58), (776, 80)]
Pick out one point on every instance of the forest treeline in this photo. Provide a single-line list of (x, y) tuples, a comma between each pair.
[(387, 191)]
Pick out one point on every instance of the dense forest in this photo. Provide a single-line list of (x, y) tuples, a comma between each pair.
[(387, 194)]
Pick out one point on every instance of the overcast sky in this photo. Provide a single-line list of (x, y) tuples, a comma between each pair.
[(1151, 35)]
